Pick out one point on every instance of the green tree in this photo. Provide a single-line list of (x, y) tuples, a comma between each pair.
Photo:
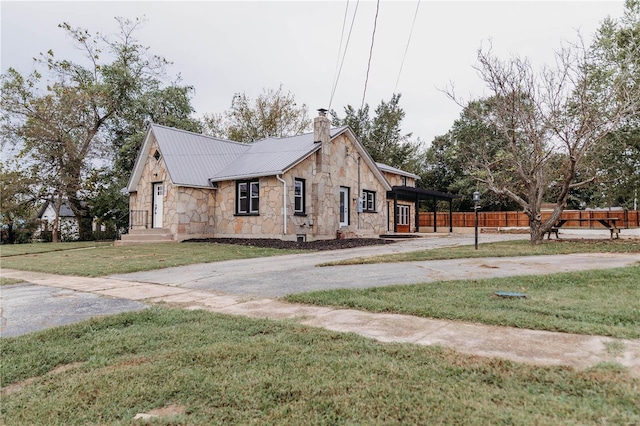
[(19, 196), (445, 169), (617, 42), (382, 134), (92, 112), (272, 114), (546, 124)]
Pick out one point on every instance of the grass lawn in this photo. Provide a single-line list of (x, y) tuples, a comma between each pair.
[(599, 302), (8, 281), (7, 250), (502, 249), (217, 369), (107, 259)]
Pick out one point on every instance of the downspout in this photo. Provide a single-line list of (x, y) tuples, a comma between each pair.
[(284, 202), (359, 194)]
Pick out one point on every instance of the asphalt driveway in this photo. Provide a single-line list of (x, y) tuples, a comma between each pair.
[(282, 275), (25, 307)]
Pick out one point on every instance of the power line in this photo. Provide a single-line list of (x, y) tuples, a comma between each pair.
[(335, 73), (407, 48), (373, 36), (335, 83)]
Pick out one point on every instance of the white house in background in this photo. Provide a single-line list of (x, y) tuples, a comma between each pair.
[(68, 229)]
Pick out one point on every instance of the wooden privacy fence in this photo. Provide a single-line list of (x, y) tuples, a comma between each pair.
[(626, 218)]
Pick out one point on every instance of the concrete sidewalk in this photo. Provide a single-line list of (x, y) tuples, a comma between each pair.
[(527, 346)]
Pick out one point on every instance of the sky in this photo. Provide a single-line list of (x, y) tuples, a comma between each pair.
[(222, 48)]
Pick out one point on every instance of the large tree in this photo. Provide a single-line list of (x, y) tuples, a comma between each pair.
[(546, 123), (72, 116), (272, 114), (444, 168), (618, 42), (382, 134)]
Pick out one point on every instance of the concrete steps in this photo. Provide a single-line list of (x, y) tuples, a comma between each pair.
[(145, 236)]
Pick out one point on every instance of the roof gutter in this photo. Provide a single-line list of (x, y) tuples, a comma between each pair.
[(284, 202)]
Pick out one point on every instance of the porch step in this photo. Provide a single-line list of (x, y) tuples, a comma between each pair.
[(143, 236), (399, 236)]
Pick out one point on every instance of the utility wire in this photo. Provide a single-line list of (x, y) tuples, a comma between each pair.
[(335, 73), (373, 36), (407, 48), (335, 84)]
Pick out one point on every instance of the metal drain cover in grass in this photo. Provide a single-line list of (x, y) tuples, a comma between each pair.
[(510, 295)]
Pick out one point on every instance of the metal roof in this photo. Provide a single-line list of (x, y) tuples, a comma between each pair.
[(192, 158), (268, 157), (389, 169), (197, 160)]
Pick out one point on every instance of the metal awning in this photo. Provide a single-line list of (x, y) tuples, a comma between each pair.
[(409, 193)]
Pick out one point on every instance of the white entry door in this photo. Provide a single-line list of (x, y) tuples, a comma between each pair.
[(158, 196), (344, 206)]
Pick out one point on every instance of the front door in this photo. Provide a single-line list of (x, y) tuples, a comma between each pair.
[(158, 196), (344, 206), (403, 218)]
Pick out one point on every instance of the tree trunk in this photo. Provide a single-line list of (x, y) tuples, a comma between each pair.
[(82, 214), (537, 230), (11, 230), (57, 204)]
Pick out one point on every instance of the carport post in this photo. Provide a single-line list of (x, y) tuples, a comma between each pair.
[(395, 213), (417, 213), (435, 215)]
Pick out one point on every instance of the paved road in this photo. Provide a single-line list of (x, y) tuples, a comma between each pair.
[(282, 275), (25, 308)]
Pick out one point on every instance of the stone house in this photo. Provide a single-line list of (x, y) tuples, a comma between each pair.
[(319, 185)]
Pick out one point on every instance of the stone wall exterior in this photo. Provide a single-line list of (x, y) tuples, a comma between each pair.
[(396, 180), (268, 223), (190, 212), (207, 212), (323, 176), (152, 172), (187, 212), (344, 171)]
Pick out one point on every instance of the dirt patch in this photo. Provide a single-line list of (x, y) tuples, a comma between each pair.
[(168, 411), (15, 387), (295, 245)]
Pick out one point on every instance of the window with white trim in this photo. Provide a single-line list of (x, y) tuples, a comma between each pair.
[(368, 201), (299, 196), (248, 197), (403, 215)]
